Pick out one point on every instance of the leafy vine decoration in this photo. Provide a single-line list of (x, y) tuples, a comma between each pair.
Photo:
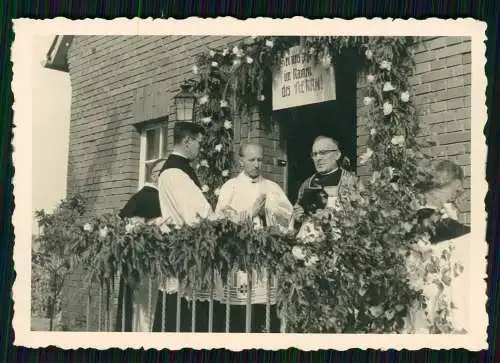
[(237, 80)]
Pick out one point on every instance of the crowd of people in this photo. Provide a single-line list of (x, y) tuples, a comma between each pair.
[(175, 195)]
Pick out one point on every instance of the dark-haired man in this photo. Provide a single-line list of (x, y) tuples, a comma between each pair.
[(182, 202)]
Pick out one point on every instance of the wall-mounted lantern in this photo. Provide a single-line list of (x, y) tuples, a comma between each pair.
[(184, 103)]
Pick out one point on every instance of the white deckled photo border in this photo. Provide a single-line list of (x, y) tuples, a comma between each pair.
[(25, 31)]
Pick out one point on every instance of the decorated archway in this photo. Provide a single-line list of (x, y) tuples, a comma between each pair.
[(237, 81)]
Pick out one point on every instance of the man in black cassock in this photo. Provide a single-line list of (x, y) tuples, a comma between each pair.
[(143, 205)]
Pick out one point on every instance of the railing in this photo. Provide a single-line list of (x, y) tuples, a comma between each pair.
[(115, 316)]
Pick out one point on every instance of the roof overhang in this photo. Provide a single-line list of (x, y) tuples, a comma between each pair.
[(57, 56)]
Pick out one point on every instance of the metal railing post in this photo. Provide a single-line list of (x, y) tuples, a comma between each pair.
[(248, 310)]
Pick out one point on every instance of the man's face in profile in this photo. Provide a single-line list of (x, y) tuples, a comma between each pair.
[(194, 144), (251, 160), (325, 153)]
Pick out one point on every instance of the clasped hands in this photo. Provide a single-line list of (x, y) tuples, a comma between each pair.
[(258, 209)]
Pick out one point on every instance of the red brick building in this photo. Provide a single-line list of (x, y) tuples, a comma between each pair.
[(123, 112)]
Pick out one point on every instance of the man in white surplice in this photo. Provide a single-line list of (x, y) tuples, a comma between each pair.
[(249, 195), (182, 202)]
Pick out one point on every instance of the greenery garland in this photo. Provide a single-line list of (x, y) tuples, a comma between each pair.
[(358, 283), (237, 80)]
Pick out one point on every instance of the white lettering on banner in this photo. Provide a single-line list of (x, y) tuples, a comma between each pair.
[(299, 81)]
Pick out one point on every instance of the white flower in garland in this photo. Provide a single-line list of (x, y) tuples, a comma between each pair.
[(218, 148), (225, 173), (204, 163), (225, 52), (249, 60), (367, 101), (228, 125), (223, 103), (385, 65), (129, 227), (398, 140), (206, 120), (237, 51), (373, 132), (298, 253), (405, 96), (217, 192), (214, 64), (205, 188), (368, 54), (366, 156), (388, 87), (203, 100), (198, 166), (236, 62), (195, 69), (87, 227), (103, 231), (370, 78), (269, 43), (326, 60), (211, 53), (261, 97), (387, 108)]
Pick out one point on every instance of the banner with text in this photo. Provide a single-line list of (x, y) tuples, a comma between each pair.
[(301, 82)]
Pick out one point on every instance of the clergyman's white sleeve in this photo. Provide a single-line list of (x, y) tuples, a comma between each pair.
[(181, 201), (226, 195)]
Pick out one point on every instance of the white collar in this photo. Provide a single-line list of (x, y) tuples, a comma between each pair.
[(245, 177), (330, 172)]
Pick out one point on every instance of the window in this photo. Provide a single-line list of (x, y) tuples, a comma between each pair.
[(154, 146)]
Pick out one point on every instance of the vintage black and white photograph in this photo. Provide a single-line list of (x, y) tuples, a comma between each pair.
[(302, 184)]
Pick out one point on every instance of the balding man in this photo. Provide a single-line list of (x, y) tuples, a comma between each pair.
[(329, 184), (252, 196), (249, 195)]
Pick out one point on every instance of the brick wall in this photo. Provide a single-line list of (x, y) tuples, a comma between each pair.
[(108, 74), (441, 86)]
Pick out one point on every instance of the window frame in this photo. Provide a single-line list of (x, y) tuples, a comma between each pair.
[(159, 125)]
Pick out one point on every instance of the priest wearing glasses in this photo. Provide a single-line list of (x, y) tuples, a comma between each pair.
[(328, 185)]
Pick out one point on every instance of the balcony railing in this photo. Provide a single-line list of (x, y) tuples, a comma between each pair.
[(111, 306)]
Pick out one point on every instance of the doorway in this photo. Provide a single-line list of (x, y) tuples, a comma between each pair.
[(301, 125)]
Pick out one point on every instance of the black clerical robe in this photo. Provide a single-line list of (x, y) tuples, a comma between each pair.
[(317, 189), (143, 204), (445, 229)]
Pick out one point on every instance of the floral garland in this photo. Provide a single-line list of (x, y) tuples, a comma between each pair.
[(236, 80)]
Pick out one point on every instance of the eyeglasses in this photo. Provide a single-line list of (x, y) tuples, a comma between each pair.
[(321, 153)]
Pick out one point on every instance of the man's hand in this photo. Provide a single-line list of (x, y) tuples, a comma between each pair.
[(298, 212), (258, 206)]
